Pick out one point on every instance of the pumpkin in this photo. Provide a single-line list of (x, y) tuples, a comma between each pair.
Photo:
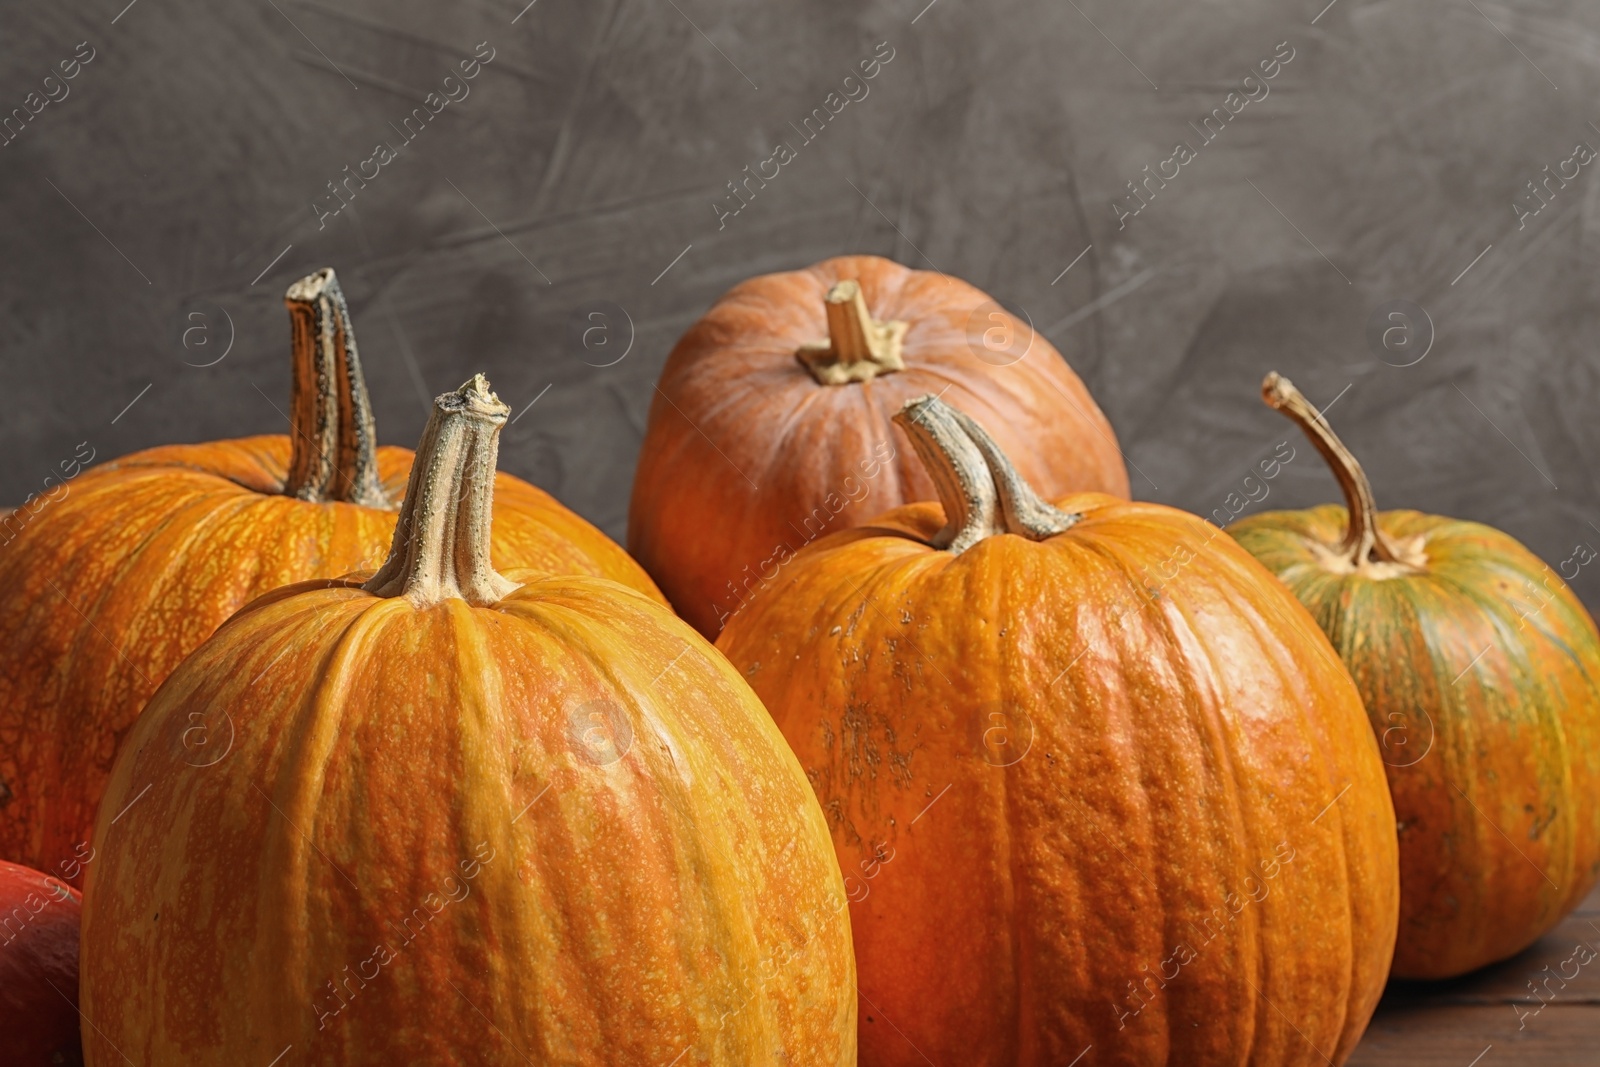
[(467, 818), (1095, 778), (770, 424), (1480, 671), (118, 573), (38, 969)]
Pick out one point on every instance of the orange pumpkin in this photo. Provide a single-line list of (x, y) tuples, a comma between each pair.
[(1480, 671), (770, 425), (466, 818), (117, 574), (1095, 778)]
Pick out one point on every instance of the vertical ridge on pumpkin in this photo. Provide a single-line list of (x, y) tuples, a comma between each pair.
[(1335, 780), (653, 776), (489, 813), (1190, 666), (302, 753)]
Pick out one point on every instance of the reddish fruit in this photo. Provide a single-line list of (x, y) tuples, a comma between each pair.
[(38, 969)]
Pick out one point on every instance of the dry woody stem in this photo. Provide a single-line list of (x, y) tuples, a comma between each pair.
[(334, 448), (982, 493), (441, 543), (858, 347), (1363, 541)]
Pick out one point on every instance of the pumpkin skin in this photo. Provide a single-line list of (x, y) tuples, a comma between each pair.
[(570, 826), (1480, 672), (38, 969), (108, 586), (747, 457), (1048, 763)]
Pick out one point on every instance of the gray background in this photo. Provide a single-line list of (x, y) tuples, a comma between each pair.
[(590, 150)]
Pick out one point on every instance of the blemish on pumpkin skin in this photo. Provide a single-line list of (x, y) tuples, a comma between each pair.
[(860, 749), (1540, 825), (899, 762), (834, 809)]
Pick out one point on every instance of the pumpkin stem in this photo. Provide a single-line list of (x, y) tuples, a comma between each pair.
[(333, 446), (441, 542), (1363, 541), (858, 347), (982, 493)]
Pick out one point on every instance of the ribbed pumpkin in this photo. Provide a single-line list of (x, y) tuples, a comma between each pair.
[(1095, 778), (38, 969), (464, 821), (1480, 671), (771, 423), (110, 584)]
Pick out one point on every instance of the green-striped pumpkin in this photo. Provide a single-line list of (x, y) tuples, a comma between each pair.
[(1480, 671)]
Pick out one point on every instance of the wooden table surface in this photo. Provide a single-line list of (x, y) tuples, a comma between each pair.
[(1492, 1018)]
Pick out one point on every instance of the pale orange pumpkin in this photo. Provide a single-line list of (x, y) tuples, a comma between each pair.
[(771, 422), (1096, 778), (121, 571), (466, 818)]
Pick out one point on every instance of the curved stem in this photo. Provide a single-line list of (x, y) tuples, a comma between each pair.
[(1363, 540), (333, 447), (441, 543), (982, 493), (960, 475), (858, 347), (1023, 510)]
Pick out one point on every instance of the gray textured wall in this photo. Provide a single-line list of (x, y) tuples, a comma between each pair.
[(188, 155)]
